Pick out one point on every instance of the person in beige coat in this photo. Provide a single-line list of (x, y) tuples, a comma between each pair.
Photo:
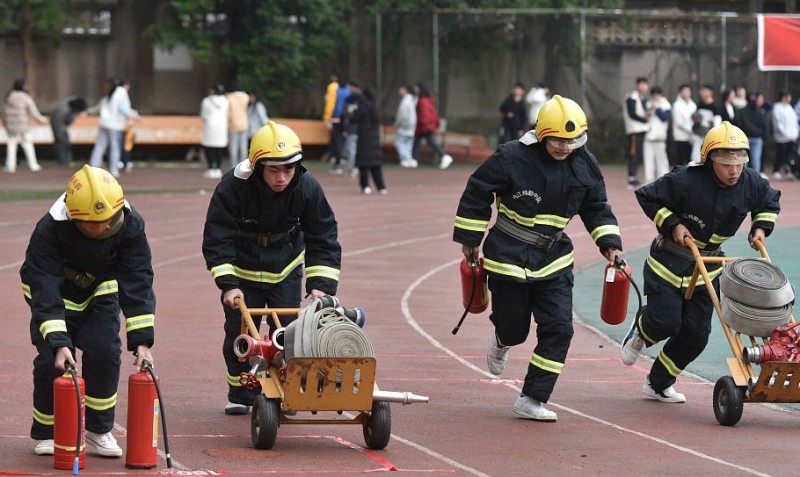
[(18, 110), (237, 124)]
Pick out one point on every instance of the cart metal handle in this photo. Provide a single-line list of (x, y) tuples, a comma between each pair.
[(248, 326), (247, 320)]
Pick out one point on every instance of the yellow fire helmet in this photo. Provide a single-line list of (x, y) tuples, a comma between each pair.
[(275, 145), (725, 144), (93, 195), (562, 118)]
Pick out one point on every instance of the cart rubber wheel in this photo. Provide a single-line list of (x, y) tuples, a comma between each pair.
[(728, 401), (264, 422), (378, 426)]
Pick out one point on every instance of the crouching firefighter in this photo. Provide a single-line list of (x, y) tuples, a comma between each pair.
[(705, 202), (88, 257), (539, 183), (268, 217)]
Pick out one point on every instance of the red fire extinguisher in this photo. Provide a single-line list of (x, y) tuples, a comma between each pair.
[(616, 286), (474, 288), (68, 421), (144, 410)]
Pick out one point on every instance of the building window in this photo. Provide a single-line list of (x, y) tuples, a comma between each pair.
[(88, 23)]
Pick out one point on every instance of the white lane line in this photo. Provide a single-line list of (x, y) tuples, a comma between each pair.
[(395, 244), (413, 323), (11, 265)]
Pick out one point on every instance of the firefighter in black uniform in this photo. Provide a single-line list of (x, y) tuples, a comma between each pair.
[(705, 202), (268, 216), (88, 257), (539, 183)]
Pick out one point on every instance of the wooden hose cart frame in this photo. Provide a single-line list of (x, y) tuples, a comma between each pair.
[(318, 384), (777, 382)]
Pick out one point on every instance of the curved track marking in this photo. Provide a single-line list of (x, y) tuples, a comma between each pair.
[(416, 326), (394, 244)]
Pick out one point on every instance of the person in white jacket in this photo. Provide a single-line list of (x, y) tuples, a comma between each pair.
[(536, 97), (115, 111), (682, 112), (405, 122), (785, 129), (214, 138), (656, 162)]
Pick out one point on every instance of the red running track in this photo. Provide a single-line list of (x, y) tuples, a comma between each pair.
[(400, 264)]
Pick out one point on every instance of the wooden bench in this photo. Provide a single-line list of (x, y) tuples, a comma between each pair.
[(466, 144), (170, 130)]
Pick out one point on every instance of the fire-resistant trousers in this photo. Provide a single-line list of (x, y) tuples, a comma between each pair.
[(285, 294), (685, 324), (95, 331), (550, 302)]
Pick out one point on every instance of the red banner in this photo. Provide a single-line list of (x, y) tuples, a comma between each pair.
[(778, 41)]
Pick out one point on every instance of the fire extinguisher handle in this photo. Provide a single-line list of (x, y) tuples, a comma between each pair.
[(472, 261), (145, 365), (619, 262)]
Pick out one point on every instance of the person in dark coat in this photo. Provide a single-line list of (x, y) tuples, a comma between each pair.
[(753, 120), (61, 119), (513, 114), (369, 156)]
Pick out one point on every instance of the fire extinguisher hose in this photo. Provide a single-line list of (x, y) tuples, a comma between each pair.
[(147, 366), (77, 463), (620, 263), (472, 259)]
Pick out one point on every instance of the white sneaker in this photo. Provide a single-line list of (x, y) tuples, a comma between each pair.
[(631, 346), (44, 447), (208, 173), (105, 444), (36, 168), (129, 167), (529, 408), (777, 176), (414, 163), (668, 395), (234, 409), (496, 356), (367, 190), (384, 191), (447, 159)]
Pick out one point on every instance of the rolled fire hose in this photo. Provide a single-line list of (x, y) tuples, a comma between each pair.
[(758, 296), (756, 283), (325, 332), (753, 320)]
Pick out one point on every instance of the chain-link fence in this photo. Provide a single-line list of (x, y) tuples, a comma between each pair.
[(472, 58)]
